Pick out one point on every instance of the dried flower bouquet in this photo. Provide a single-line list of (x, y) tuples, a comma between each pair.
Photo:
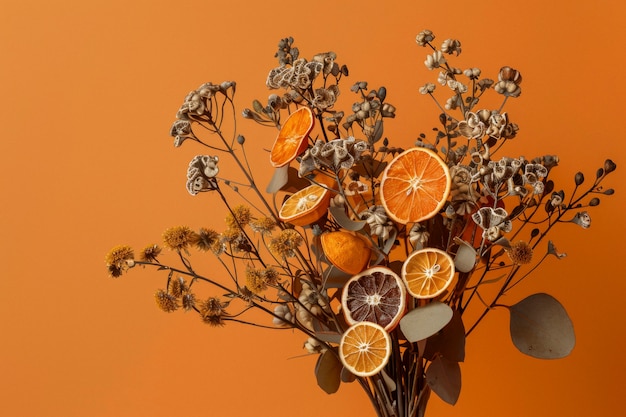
[(375, 253)]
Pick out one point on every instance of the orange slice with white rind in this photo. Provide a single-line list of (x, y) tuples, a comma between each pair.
[(377, 295), (305, 206), (427, 272), (292, 138), (350, 252), (365, 348), (415, 185)]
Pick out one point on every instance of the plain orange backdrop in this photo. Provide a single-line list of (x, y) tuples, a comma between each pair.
[(88, 90)]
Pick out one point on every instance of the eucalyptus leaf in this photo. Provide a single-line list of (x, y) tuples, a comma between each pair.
[(279, 179), (328, 372), (335, 278), (347, 376), (328, 336), (423, 322), (449, 342), (465, 258), (443, 376), (344, 221), (541, 328)]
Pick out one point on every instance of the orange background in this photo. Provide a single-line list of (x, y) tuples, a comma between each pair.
[(88, 91)]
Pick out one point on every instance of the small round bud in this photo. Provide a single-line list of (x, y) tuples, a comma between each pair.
[(609, 166), (579, 178), (241, 139), (594, 202), (599, 172)]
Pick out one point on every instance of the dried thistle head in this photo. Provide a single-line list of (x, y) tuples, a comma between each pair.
[(520, 252), (165, 301), (179, 238), (286, 243), (150, 253), (239, 217), (119, 259)]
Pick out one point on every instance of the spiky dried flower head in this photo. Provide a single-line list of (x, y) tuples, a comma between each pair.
[(520, 252), (263, 225), (119, 259), (212, 311), (235, 240), (178, 287), (213, 321), (286, 243), (165, 301), (150, 253), (239, 217), (188, 301), (255, 280), (212, 306), (179, 238), (209, 240)]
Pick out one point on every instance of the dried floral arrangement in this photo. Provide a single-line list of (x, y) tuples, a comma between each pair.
[(375, 253)]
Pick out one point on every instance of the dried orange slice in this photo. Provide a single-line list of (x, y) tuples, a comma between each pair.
[(427, 272), (414, 186), (376, 295), (305, 206), (365, 348), (349, 252), (292, 137)]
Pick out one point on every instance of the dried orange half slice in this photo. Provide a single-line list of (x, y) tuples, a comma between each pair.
[(347, 251), (427, 272), (415, 185), (365, 348), (376, 295), (305, 206), (292, 137)]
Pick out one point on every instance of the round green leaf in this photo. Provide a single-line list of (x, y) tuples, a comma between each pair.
[(443, 376), (328, 372), (541, 328), (423, 322)]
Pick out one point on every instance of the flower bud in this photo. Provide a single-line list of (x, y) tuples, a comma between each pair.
[(609, 166), (579, 178)]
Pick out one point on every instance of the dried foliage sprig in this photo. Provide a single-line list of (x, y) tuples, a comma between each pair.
[(385, 258)]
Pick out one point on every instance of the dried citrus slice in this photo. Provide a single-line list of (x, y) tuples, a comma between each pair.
[(349, 252), (365, 348), (427, 272), (414, 186), (305, 206), (292, 137), (376, 295)]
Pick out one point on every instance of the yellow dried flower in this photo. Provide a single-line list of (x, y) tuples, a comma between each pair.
[(213, 321), (212, 311), (178, 287), (179, 238), (239, 217), (189, 301), (166, 302), (255, 280), (212, 306), (263, 225), (235, 240), (209, 240), (520, 252), (150, 253), (286, 243), (119, 259)]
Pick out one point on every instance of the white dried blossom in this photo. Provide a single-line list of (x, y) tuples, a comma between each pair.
[(285, 316), (434, 60), (314, 346), (427, 88)]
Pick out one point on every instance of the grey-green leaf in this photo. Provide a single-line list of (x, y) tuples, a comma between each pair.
[(541, 328), (344, 221), (423, 322), (465, 258), (328, 372), (443, 376), (279, 179), (449, 342)]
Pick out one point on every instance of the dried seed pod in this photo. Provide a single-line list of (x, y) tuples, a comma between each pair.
[(579, 178)]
